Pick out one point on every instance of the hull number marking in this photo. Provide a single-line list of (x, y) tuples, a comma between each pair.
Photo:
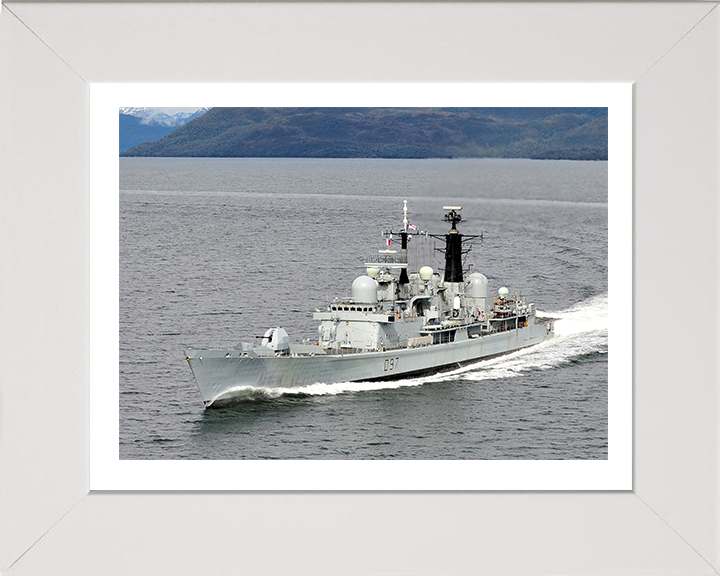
[(391, 364)]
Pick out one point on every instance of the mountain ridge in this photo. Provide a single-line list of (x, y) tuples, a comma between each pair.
[(570, 133), (140, 124)]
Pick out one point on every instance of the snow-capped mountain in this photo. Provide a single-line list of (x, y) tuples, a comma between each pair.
[(149, 124), (159, 118)]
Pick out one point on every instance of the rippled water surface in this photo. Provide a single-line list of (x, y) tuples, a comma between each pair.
[(215, 251)]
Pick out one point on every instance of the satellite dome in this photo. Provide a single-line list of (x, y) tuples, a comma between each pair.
[(477, 286), (364, 290), (503, 293), (372, 271), (426, 273)]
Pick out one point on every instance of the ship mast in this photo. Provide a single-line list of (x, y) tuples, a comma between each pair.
[(453, 246), (403, 247)]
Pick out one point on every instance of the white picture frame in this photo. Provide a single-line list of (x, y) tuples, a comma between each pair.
[(667, 524)]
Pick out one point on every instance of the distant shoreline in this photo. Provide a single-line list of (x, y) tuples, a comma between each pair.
[(357, 158), (588, 159)]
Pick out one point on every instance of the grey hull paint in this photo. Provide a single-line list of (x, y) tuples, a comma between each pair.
[(224, 374)]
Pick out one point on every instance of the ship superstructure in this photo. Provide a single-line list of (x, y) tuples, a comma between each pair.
[(396, 324)]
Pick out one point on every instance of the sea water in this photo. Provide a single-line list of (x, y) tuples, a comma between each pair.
[(215, 251)]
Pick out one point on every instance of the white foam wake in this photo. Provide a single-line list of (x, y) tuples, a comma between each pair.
[(584, 317), (319, 389), (580, 330)]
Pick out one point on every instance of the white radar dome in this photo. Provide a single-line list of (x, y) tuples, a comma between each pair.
[(477, 286), (364, 290), (503, 293), (372, 271), (426, 273)]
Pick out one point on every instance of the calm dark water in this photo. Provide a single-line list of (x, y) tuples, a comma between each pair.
[(214, 251)]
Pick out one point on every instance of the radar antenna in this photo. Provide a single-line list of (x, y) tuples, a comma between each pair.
[(453, 216)]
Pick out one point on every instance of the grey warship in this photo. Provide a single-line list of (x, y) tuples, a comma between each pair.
[(395, 325)]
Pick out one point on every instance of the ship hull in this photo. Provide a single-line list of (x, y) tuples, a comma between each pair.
[(222, 375)]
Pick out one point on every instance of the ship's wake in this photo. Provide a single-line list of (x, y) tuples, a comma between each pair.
[(581, 331)]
